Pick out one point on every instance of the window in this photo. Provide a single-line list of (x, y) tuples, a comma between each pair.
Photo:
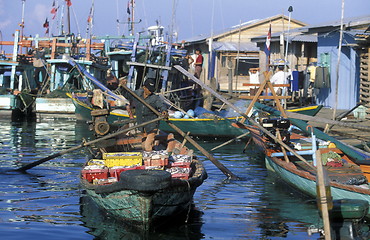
[(325, 60), (245, 63)]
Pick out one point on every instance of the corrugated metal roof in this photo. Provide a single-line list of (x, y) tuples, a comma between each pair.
[(220, 33), (233, 47), (348, 23), (304, 38), (294, 35)]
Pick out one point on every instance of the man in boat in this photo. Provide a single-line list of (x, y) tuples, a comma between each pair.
[(39, 65), (143, 113)]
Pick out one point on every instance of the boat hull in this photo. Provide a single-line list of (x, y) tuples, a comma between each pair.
[(306, 182), (145, 209), (150, 206), (202, 127), (208, 127)]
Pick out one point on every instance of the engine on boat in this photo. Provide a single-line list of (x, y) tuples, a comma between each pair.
[(99, 123), (274, 125)]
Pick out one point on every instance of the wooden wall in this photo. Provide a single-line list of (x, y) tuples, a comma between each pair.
[(365, 80)]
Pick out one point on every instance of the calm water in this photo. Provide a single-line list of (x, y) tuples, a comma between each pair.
[(48, 203)]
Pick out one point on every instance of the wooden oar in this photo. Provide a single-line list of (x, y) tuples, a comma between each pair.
[(323, 200), (84, 144), (231, 140), (186, 73), (224, 170)]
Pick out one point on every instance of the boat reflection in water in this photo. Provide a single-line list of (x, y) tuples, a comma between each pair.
[(105, 226)]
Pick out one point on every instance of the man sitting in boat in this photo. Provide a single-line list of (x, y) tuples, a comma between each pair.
[(143, 113)]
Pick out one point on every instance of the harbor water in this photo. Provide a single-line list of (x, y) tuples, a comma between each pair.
[(47, 202)]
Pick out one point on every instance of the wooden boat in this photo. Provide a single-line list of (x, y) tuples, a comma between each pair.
[(210, 125), (144, 189), (358, 156), (347, 180)]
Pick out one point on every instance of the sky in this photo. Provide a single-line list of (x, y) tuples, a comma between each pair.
[(189, 18)]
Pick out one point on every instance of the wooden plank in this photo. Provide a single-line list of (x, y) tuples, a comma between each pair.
[(364, 72)]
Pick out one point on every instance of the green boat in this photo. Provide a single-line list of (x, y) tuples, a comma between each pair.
[(347, 179), (143, 189), (211, 126)]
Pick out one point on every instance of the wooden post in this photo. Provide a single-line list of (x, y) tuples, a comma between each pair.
[(323, 198), (230, 76), (88, 49), (53, 48)]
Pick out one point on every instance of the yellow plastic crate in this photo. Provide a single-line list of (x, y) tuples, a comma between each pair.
[(123, 159), (95, 162)]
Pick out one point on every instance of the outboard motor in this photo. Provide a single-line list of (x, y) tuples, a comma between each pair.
[(274, 124), (99, 123)]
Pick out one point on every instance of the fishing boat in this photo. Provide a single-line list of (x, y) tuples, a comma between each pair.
[(347, 180), (145, 189), (207, 124)]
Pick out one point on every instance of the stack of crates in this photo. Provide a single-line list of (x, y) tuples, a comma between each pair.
[(110, 167), (180, 166), (93, 172), (155, 159)]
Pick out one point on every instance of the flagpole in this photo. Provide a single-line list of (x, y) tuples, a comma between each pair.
[(290, 10), (267, 48), (22, 23), (92, 18)]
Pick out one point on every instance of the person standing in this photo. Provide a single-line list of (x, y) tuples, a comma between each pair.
[(39, 65), (198, 63), (280, 77), (143, 113)]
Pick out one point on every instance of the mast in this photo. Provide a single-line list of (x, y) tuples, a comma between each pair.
[(22, 23), (117, 12), (91, 19), (61, 29), (68, 18), (132, 23)]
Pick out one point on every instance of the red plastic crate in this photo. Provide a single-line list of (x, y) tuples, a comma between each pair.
[(181, 175), (181, 164), (115, 172), (92, 174), (156, 162)]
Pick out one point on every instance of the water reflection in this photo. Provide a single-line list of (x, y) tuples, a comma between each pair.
[(104, 226), (47, 203)]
